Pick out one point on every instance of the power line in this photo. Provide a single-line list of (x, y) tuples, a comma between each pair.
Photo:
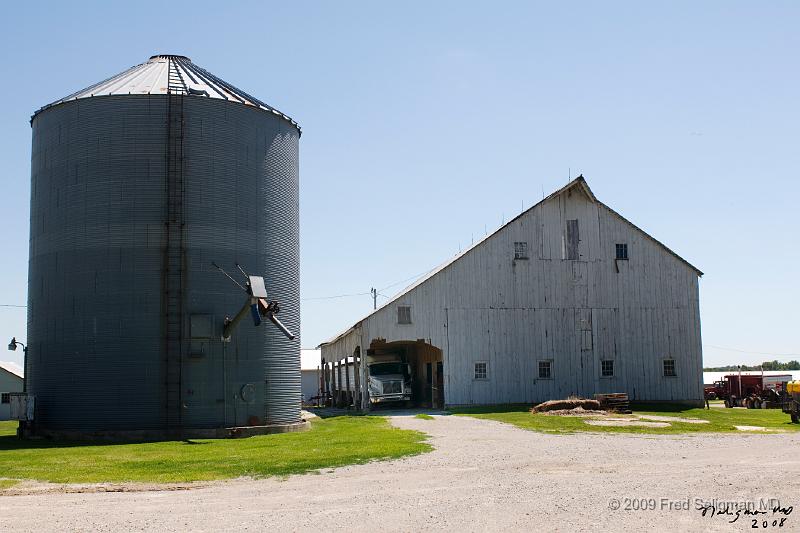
[(755, 352), (334, 296), (331, 297), (407, 279), (366, 293)]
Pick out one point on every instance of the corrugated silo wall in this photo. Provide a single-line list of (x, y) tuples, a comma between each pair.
[(243, 205), (95, 322), (94, 293)]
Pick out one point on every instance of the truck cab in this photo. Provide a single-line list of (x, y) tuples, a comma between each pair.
[(389, 379)]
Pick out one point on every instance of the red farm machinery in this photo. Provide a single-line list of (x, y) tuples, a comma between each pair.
[(754, 391)]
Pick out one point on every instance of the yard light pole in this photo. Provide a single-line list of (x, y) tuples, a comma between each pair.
[(13, 347)]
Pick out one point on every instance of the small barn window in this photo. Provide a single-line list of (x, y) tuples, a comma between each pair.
[(669, 368), (622, 251), (573, 238), (520, 250), (586, 340), (5, 397), (546, 369), (607, 368), (403, 314), (481, 370)]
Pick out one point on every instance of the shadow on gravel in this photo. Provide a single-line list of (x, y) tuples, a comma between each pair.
[(331, 412)]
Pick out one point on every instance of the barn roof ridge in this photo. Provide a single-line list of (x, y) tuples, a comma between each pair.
[(7, 366), (580, 182)]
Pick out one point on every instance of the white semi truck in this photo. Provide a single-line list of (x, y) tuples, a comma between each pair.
[(389, 379)]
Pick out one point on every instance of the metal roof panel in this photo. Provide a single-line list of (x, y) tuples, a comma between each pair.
[(169, 74)]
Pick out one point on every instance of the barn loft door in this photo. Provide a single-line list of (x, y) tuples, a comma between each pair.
[(605, 328), (573, 239), (585, 341), (580, 283)]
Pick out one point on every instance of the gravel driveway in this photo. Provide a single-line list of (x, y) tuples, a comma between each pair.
[(483, 476)]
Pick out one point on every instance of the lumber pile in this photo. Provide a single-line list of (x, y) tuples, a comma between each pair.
[(616, 402)]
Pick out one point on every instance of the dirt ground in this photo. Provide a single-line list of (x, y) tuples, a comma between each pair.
[(483, 476)]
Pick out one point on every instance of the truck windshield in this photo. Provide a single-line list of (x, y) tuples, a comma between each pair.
[(384, 369)]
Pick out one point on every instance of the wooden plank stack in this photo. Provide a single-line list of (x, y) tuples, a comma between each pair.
[(617, 402)]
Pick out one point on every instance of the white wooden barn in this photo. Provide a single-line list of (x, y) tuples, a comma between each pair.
[(567, 298), (11, 380)]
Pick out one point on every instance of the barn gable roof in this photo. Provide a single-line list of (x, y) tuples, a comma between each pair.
[(11, 368), (578, 183)]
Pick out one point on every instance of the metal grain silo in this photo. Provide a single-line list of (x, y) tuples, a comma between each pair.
[(138, 184)]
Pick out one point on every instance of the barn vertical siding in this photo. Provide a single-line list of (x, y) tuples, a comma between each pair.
[(487, 306)]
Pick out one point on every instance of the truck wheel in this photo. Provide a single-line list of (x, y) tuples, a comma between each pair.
[(727, 403), (795, 418)]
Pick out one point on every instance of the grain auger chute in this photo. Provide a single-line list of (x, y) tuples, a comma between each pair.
[(256, 304)]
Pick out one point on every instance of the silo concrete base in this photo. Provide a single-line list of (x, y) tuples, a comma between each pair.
[(162, 435)]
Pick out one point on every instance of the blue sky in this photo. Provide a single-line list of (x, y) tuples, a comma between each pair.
[(427, 123)]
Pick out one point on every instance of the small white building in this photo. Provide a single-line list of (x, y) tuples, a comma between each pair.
[(11, 380), (310, 373), (567, 298)]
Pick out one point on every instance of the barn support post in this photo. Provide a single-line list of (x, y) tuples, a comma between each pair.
[(357, 385), (319, 383), (333, 383), (327, 378), (434, 388), (364, 388), (363, 370), (347, 381), (339, 382)]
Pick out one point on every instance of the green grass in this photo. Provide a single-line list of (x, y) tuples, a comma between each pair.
[(720, 420), (8, 483), (423, 416), (329, 443)]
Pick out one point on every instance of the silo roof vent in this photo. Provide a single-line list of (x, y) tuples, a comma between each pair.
[(169, 74)]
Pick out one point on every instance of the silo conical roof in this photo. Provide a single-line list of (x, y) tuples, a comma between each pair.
[(169, 74)]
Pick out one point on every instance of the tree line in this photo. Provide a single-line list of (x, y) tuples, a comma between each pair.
[(766, 365)]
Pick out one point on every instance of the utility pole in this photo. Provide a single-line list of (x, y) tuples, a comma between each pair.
[(374, 293)]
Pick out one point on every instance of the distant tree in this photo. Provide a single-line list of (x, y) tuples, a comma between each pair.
[(766, 365), (728, 368), (777, 365)]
